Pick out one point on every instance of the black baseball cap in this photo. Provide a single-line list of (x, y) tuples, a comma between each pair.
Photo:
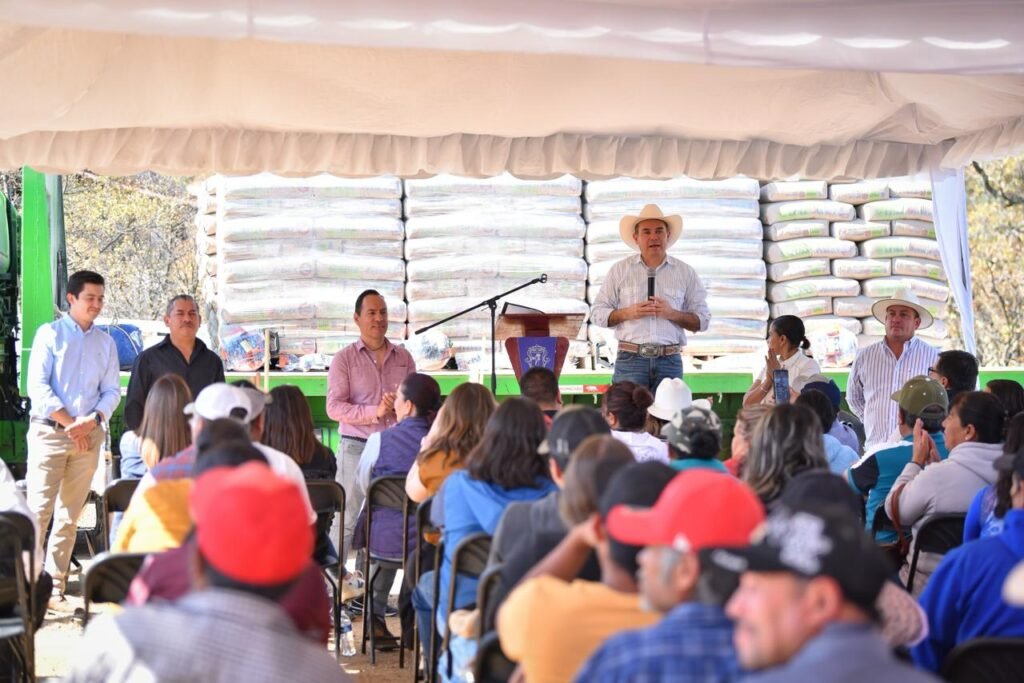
[(571, 426), (822, 541), (1010, 462)]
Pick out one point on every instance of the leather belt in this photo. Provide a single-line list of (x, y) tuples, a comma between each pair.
[(649, 350), (44, 421), (353, 438)]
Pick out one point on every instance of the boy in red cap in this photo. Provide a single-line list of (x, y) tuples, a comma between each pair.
[(253, 541), (699, 511)]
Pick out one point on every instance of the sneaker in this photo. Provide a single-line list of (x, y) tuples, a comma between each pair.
[(391, 611), (355, 606), (352, 587)]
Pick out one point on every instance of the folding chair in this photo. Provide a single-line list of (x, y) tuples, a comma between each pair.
[(470, 559), (939, 535), (109, 577), (491, 665), (490, 582), (423, 526), (115, 498), (17, 537), (992, 660), (384, 492), (328, 498)]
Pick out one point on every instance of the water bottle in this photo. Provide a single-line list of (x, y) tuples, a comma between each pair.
[(348, 640)]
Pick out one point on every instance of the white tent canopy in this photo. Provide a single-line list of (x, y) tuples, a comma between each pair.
[(649, 88)]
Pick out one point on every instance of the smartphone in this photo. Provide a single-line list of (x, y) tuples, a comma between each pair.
[(780, 380)]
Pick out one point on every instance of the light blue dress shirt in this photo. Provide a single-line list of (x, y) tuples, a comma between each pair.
[(74, 370)]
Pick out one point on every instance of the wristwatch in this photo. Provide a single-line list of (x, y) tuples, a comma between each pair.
[(99, 419)]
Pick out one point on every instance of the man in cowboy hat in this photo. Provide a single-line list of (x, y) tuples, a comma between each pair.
[(652, 300), (882, 368)]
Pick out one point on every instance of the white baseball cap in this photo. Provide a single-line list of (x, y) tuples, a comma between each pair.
[(222, 400)]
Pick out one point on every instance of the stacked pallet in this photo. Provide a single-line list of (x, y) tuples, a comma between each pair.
[(721, 240), (292, 255), (469, 239)]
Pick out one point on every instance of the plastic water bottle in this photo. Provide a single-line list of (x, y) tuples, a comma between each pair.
[(348, 640)]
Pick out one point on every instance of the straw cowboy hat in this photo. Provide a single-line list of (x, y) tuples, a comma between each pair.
[(672, 395), (903, 297), (628, 224)]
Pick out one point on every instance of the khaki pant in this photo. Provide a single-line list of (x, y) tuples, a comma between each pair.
[(59, 475), (349, 452)]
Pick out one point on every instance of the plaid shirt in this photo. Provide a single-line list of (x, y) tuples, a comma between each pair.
[(692, 644), (178, 466)]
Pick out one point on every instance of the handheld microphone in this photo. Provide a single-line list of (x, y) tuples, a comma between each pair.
[(650, 283)]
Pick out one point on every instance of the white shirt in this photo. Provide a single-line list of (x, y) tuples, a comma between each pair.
[(800, 366), (12, 500), (626, 284), (644, 446), (876, 375)]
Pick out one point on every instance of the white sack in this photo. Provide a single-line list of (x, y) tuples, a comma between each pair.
[(783, 191), (824, 209), (861, 268), (859, 230), (792, 270), (789, 230)]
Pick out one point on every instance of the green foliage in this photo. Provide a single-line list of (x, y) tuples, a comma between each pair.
[(138, 232), (995, 217)]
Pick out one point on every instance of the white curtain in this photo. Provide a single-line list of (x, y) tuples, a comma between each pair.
[(949, 201)]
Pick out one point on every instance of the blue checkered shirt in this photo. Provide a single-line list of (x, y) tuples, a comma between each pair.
[(692, 644)]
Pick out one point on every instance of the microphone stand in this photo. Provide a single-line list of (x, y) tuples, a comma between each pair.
[(492, 304)]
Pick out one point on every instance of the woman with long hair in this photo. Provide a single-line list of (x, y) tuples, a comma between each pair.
[(164, 430), (625, 406), (747, 421), (1009, 393), (503, 468), (988, 509), (787, 342), (288, 427), (456, 431), (786, 442)]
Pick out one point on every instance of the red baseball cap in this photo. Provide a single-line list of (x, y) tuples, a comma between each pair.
[(699, 509), (251, 524)]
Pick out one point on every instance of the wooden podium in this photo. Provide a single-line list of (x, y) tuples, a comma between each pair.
[(536, 339)]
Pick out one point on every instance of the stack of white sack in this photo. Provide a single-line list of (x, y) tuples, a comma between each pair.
[(470, 239), (721, 240), (292, 255)]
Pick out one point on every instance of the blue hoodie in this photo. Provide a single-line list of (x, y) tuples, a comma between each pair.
[(964, 599), (469, 506)]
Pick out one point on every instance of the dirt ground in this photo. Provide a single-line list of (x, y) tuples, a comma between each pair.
[(57, 644)]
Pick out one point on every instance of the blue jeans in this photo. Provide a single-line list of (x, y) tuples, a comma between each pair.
[(423, 603), (647, 372)]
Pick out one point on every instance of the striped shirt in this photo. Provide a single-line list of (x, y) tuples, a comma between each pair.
[(876, 375), (626, 285)]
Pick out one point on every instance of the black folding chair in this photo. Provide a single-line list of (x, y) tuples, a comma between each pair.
[(384, 492), (469, 559), (938, 535), (491, 664), (108, 578), (490, 584), (992, 660), (115, 498), (327, 497), (17, 591), (423, 526)]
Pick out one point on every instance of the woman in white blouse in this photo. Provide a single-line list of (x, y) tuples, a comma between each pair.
[(787, 342), (625, 407)]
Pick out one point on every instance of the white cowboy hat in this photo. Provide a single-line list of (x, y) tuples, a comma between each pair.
[(671, 396), (903, 297), (651, 211)]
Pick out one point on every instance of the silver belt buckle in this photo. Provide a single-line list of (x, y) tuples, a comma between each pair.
[(649, 350)]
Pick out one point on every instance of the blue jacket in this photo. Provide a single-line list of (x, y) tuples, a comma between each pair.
[(964, 599), (981, 519), (839, 457), (874, 475)]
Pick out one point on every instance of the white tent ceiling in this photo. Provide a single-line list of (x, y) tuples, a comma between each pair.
[(598, 88)]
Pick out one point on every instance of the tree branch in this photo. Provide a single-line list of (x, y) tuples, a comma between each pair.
[(997, 192)]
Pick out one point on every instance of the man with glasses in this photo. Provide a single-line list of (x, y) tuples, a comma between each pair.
[(652, 300)]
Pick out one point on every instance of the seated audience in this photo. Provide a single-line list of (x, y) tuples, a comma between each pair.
[(964, 596), (166, 576), (696, 513), (973, 433), (671, 396), (787, 342), (839, 457), (956, 371), (552, 622), (625, 407), (164, 429), (456, 431), (787, 441), (805, 606), (841, 428), (230, 628), (747, 420), (392, 453), (505, 467), (541, 386), (920, 398), (1009, 393), (986, 516), (694, 439)]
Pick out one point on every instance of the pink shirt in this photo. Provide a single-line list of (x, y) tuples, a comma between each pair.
[(355, 386)]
